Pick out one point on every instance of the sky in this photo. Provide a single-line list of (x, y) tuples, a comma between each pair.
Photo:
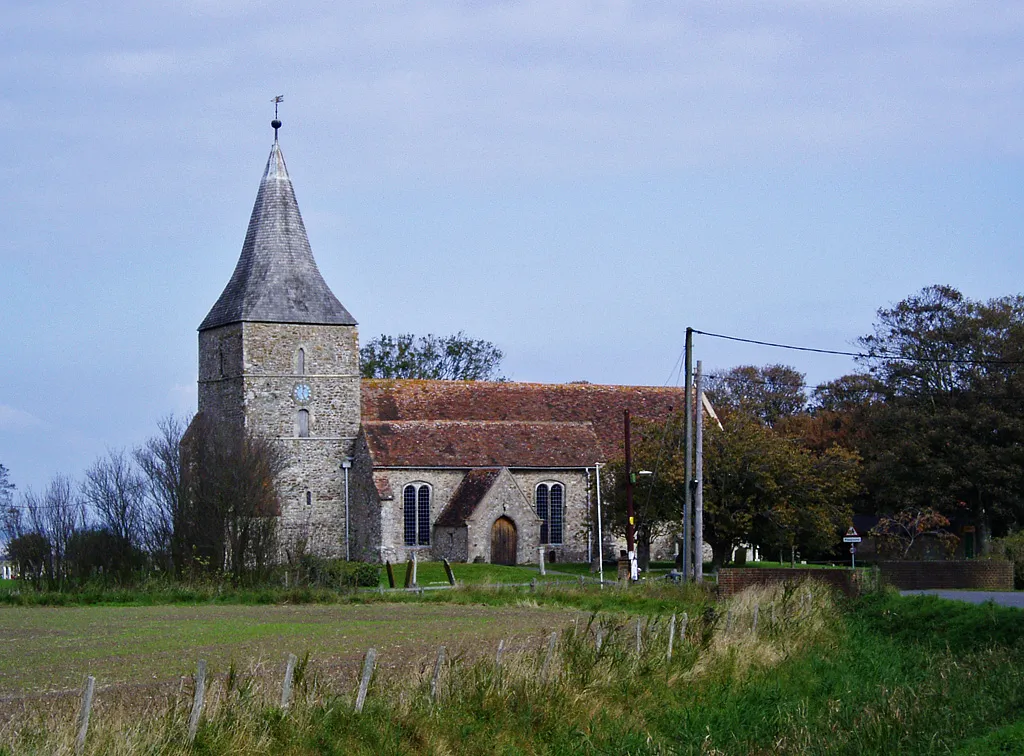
[(577, 182)]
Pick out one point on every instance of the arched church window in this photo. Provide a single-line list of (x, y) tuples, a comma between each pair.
[(550, 501), (309, 498), (416, 511), (300, 362), (303, 418)]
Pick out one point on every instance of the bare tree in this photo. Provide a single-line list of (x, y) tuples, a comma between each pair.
[(27, 543), (10, 515), (61, 515), (159, 459), (114, 490)]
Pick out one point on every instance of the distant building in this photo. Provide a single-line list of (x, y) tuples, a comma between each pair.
[(459, 469)]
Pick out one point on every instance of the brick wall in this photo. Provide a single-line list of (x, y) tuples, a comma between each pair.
[(980, 574), (735, 579)]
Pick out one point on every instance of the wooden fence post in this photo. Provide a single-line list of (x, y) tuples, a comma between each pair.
[(728, 621), (286, 686), (639, 637), (545, 668), (197, 700), (501, 650), (437, 674), (671, 636), (84, 712), (364, 683), (599, 639), (753, 624), (682, 628)]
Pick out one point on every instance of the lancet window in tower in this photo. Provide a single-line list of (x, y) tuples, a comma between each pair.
[(300, 362), (303, 423)]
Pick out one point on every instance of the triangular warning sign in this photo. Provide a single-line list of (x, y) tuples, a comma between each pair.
[(851, 532)]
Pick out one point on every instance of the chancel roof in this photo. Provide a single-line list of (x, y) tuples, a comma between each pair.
[(599, 407), (276, 279), (473, 443)]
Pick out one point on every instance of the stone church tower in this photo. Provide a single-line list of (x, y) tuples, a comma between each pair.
[(279, 354)]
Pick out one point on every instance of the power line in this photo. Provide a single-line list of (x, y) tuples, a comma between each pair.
[(862, 355)]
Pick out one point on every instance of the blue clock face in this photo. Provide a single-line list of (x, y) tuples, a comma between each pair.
[(302, 393)]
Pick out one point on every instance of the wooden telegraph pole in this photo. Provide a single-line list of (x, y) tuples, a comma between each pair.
[(688, 466), (698, 489)]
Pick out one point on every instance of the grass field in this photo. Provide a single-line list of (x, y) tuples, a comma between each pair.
[(53, 648)]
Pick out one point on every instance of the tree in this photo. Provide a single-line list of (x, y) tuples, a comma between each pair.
[(229, 506), (114, 490), (765, 489), (95, 551), (31, 552), (769, 393), (898, 534), (848, 393), (950, 435), (159, 459), (760, 487), (454, 358), (10, 515), (62, 516)]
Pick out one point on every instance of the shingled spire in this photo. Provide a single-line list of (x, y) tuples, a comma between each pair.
[(276, 279)]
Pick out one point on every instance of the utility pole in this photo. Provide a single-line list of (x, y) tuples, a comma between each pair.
[(630, 533), (698, 500), (688, 466)]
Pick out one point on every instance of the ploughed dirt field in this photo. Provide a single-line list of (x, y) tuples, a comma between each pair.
[(46, 652)]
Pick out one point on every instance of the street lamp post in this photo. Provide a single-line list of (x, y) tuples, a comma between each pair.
[(600, 538), (630, 525)]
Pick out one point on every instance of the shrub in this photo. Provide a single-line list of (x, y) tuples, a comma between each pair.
[(337, 574), (1011, 547)]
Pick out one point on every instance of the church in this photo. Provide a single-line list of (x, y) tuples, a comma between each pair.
[(387, 469)]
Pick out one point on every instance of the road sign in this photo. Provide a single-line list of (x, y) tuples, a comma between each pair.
[(852, 538)]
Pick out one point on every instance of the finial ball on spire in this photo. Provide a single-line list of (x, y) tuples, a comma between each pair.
[(275, 124)]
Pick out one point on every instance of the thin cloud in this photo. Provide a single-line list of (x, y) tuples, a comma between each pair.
[(12, 418)]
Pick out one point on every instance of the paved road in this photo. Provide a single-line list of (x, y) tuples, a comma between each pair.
[(1006, 598)]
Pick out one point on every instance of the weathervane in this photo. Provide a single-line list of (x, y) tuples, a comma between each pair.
[(276, 123)]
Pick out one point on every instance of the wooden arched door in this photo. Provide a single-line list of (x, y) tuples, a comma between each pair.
[(503, 541)]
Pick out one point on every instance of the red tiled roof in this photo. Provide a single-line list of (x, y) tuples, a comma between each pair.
[(403, 400), (470, 492), (456, 443)]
